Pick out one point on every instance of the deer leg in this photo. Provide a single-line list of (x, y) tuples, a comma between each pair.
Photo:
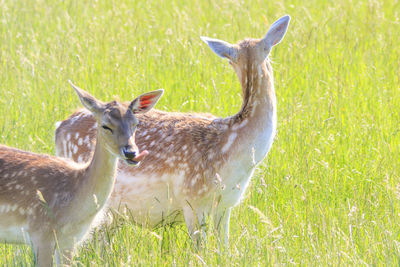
[(43, 249), (64, 256), (195, 221), (221, 223), (65, 250)]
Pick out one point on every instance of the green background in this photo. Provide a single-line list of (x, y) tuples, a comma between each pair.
[(328, 192)]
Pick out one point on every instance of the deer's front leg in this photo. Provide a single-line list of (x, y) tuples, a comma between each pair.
[(195, 222)]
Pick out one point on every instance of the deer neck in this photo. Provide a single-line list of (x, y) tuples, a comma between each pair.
[(98, 180), (255, 123), (258, 92)]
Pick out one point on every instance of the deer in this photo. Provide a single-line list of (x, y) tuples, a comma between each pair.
[(199, 165), (52, 202)]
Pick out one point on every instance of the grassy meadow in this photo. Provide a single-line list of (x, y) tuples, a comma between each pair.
[(328, 192)]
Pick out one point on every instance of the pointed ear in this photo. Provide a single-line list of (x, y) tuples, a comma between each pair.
[(221, 48), (145, 102), (277, 31), (87, 100)]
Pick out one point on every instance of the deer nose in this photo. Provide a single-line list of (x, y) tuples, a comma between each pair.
[(128, 153)]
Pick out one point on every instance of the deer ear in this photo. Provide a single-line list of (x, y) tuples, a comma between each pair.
[(87, 100), (221, 48), (276, 32), (145, 102)]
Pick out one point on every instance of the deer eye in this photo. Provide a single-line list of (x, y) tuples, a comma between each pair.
[(107, 128)]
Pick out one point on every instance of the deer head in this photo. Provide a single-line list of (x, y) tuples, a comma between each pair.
[(250, 51), (117, 124)]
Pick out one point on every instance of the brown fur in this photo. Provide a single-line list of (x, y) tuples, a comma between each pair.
[(23, 174)]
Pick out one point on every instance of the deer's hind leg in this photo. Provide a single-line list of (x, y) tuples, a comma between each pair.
[(221, 224), (65, 250), (43, 249), (64, 256)]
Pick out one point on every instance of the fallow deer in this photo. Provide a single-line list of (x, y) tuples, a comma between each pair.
[(48, 201), (195, 160)]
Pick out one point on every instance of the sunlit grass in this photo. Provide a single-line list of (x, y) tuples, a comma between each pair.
[(328, 192)]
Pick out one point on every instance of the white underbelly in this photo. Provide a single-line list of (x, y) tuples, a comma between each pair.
[(14, 234), (150, 200)]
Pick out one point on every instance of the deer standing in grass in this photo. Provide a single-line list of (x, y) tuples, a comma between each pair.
[(51, 202), (199, 165)]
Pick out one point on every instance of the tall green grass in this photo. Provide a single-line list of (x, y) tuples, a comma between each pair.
[(328, 193)]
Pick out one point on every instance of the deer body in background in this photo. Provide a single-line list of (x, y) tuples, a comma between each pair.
[(199, 165), (51, 202)]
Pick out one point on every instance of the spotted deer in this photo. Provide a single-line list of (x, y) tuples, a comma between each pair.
[(51, 202), (199, 165)]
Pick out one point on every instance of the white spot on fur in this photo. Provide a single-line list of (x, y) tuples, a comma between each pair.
[(75, 149), (184, 166), (4, 208), (80, 159), (77, 117), (169, 161), (64, 142), (230, 141), (21, 211), (68, 136), (30, 211), (80, 141), (76, 135)]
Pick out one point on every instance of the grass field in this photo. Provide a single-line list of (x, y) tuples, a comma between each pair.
[(328, 193)]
